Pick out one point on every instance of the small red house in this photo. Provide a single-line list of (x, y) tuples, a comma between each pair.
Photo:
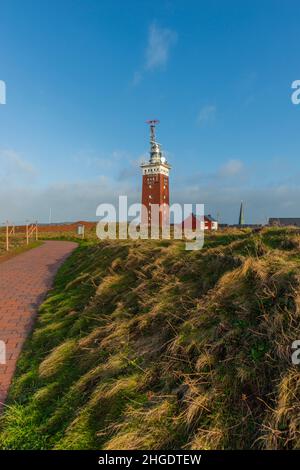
[(192, 222)]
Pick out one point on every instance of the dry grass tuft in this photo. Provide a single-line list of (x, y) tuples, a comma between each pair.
[(57, 359)]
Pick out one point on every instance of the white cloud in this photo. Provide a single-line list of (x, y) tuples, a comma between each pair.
[(131, 171), (137, 77), (231, 168), (206, 114), (100, 162), (71, 201), (221, 191), (225, 174), (260, 203), (159, 43), (13, 167)]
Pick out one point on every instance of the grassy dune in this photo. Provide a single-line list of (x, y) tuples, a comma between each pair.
[(143, 345), (15, 242)]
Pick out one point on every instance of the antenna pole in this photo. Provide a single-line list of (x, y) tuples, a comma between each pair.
[(152, 123)]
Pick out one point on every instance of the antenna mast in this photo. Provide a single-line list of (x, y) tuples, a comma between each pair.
[(152, 123)]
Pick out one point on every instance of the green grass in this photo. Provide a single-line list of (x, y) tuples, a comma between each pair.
[(17, 247), (143, 345)]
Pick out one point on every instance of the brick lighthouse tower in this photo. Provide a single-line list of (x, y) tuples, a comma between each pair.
[(155, 190)]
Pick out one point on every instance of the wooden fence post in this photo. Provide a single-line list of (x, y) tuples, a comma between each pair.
[(10, 230), (7, 242), (30, 231)]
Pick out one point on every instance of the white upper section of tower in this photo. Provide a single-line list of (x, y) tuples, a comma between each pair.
[(153, 169), (157, 162)]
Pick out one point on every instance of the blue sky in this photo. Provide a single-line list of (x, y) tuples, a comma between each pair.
[(83, 76)]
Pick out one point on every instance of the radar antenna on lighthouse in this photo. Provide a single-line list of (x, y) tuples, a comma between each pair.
[(152, 123)]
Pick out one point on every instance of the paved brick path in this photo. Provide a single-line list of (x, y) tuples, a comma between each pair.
[(24, 282)]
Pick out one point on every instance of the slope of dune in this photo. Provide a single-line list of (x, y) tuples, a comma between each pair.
[(143, 345)]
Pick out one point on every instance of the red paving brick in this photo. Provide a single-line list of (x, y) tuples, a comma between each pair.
[(24, 283)]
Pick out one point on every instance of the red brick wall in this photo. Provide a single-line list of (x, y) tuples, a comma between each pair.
[(156, 186)]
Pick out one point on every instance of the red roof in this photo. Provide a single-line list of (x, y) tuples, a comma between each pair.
[(193, 222)]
